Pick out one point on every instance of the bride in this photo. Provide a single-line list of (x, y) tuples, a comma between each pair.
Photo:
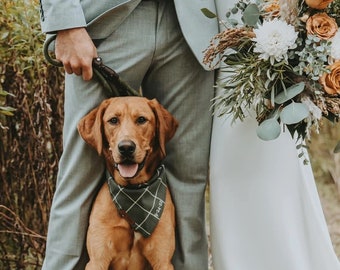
[(265, 209)]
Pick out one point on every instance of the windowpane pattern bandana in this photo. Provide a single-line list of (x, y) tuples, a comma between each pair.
[(141, 205)]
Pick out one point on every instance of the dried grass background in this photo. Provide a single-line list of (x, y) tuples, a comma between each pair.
[(30, 144)]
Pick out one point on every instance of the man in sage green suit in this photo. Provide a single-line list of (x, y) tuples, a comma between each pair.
[(153, 44)]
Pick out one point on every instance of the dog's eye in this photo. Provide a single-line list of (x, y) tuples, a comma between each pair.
[(113, 121), (141, 120)]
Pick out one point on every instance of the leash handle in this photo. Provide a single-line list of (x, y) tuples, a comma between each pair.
[(106, 76), (47, 54)]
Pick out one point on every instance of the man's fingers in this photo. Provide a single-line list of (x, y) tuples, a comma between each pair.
[(68, 68), (77, 71), (80, 69), (75, 49), (87, 73)]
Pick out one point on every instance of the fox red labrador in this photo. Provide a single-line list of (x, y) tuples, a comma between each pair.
[(132, 222)]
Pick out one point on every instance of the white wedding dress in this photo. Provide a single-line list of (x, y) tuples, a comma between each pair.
[(265, 209)]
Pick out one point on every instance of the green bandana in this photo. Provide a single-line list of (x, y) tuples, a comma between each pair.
[(141, 205)]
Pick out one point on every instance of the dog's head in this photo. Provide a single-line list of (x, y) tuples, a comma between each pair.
[(131, 132)]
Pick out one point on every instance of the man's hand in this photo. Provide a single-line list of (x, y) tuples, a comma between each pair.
[(75, 49)]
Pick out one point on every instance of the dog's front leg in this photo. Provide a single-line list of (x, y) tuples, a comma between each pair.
[(137, 260), (160, 246), (109, 237)]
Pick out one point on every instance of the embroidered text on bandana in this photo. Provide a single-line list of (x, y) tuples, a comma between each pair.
[(142, 205)]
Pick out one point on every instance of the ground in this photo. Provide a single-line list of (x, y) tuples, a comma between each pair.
[(331, 205)]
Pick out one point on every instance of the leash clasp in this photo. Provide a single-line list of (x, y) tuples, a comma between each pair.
[(111, 81)]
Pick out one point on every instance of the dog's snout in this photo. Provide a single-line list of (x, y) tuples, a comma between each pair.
[(126, 148)]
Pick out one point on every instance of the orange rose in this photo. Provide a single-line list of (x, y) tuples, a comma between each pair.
[(318, 4), (331, 81), (321, 25)]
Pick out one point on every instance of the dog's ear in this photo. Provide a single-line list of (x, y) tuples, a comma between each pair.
[(166, 124), (90, 127)]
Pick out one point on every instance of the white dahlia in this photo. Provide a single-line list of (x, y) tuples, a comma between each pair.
[(273, 39), (335, 48)]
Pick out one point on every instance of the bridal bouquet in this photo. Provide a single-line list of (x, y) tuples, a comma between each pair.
[(282, 60)]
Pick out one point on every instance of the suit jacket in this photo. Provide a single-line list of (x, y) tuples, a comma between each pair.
[(102, 17)]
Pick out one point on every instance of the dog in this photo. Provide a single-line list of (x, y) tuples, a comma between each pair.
[(131, 133)]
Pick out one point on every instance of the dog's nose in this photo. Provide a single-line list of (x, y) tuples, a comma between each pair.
[(126, 148)]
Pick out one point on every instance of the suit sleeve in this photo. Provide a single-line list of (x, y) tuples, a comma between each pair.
[(197, 29), (57, 15)]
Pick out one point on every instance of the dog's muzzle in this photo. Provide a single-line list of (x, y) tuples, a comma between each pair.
[(127, 148), (128, 167)]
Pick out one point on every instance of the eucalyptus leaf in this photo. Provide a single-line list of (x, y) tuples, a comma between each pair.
[(268, 130), (208, 13), (234, 10), (290, 92), (233, 22), (251, 15), (294, 113)]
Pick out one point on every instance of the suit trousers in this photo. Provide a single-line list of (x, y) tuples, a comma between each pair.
[(148, 50)]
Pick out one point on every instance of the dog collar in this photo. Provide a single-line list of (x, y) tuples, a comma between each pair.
[(141, 205)]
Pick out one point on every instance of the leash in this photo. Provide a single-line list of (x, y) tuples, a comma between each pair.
[(106, 76)]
